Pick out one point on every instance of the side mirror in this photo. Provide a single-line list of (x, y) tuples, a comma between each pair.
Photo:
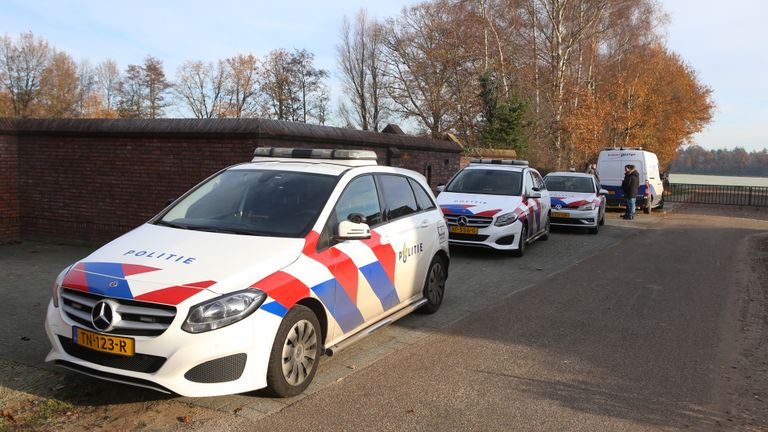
[(534, 194), (349, 230), (440, 188), (603, 192)]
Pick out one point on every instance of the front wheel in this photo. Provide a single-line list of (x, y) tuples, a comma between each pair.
[(434, 286), (295, 353)]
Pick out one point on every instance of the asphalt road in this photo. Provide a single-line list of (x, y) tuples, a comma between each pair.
[(629, 329)]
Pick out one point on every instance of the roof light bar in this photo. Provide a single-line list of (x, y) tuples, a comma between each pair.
[(304, 153), (500, 161)]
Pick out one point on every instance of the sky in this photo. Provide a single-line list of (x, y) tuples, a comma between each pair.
[(724, 42)]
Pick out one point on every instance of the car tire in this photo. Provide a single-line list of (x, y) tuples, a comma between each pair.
[(295, 353), (434, 285), (547, 229), (520, 251), (661, 203)]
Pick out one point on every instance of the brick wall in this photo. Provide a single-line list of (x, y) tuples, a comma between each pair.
[(91, 180), (10, 228)]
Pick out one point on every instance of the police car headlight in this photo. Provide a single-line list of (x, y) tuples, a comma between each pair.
[(223, 311), (57, 285), (506, 219), (590, 206)]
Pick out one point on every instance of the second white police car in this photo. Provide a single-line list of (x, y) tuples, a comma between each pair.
[(498, 204), (247, 279)]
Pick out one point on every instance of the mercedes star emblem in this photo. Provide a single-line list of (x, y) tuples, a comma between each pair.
[(102, 316), (462, 221)]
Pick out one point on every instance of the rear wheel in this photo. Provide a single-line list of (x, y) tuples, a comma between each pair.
[(520, 251), (434, 286), (295, 353), (648, 203)]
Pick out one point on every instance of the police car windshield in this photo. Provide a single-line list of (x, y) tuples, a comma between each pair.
[(254, 202), (487, 181), (569, 184)]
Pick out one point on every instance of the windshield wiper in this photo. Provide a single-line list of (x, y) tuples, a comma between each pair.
[(172, 224)]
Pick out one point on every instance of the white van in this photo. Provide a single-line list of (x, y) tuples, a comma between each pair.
[(610, 170)]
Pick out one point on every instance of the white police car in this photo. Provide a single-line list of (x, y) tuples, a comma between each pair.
[(248, 278), (577, 200), (498, 204)]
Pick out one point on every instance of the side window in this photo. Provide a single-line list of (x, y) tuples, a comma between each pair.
[(360, 196), (422, 197), (538, 181), (398, 196), (529, 183)]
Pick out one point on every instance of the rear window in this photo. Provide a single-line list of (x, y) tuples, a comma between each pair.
[(614, 169), (487, 181), (398, 196)]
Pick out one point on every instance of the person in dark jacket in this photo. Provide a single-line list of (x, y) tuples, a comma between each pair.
[(629, 186)]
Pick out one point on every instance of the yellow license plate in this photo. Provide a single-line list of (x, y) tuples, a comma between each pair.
[(561, 214), (104, 343), (611, 192), (463, 229)]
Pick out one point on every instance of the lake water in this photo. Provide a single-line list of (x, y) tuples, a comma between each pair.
[(718, 180)]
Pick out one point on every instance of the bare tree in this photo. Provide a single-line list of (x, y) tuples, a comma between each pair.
[(427, 56), (108, 80), (309, 83), (200, 85), (21, 68), (291, 85), (360, 60)]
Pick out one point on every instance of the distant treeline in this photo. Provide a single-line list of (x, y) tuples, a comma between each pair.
[(736, 162)]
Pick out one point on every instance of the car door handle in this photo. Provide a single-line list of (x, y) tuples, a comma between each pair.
[(424, 224)]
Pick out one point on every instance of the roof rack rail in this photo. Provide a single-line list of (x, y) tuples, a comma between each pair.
[(500, 161), (305, 153), (624, 148)]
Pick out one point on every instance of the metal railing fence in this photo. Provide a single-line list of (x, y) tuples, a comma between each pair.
[(754, 196)]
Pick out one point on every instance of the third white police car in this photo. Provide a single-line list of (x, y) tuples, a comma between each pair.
[(498, 204), (247, 279), (577, 200)]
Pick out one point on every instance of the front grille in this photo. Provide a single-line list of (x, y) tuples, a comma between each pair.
[(467, 237), (137, 318), (137, 363), (223, 369), (569, 221), (472, 221)]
